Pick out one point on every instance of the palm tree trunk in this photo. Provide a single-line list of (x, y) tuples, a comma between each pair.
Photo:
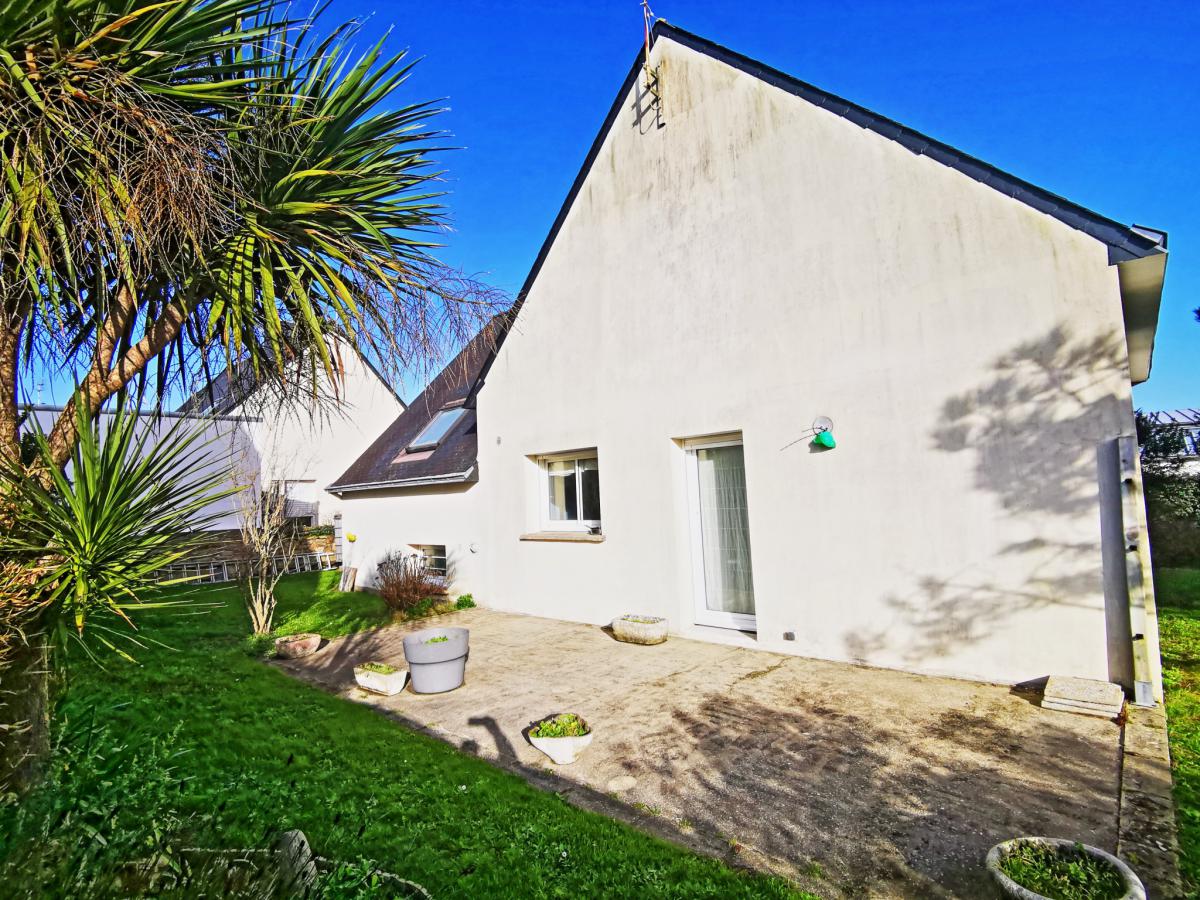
[(10, 438), (24, 663), (24, 715)]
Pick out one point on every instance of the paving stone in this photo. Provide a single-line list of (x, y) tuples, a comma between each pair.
[(1103, 712), (1147, 833), (1084, 690), (895, 784)]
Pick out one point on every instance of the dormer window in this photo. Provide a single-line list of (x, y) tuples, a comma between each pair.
[(433, 433)]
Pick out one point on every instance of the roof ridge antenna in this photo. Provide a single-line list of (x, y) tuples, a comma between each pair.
[(648, 19), (651, 88)]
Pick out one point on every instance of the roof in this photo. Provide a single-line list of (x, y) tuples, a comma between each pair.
[(387, 462), (1188, 418), (225, 393), (221, 395), (1126, 243)]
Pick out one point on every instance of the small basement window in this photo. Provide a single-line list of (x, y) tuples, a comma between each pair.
[(434, 557), (433, 433), (571, 487)]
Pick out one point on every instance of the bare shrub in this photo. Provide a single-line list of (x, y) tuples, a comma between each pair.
[(405, 581), (268, 540)]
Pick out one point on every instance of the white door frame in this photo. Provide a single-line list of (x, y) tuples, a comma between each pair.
[(704, 615)]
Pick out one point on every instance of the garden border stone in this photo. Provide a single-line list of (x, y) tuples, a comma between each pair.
[(1146, 834)]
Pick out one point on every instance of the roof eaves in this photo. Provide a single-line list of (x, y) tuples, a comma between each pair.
[(452, 478)]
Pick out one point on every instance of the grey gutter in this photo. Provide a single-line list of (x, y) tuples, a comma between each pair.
[(452, 478)]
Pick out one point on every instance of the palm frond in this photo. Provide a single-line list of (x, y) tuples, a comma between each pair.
[(135, 499)]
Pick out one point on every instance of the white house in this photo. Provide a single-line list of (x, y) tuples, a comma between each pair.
[(742, 258), (300, 442), (1186, 423), (226, 441)]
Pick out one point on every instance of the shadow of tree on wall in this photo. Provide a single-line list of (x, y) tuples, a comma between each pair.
[(1036, 430)]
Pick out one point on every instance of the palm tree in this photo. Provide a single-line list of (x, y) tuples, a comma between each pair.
[(205, 178), (189, 183), (84, 549)]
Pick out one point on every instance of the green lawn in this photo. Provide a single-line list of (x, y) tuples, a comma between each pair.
[(251, 751), (1178, 592)]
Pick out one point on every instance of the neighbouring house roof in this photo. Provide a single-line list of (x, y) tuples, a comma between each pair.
[(229, 390), (221, 395), (1139, 251), (389, 463), (1188, 418)]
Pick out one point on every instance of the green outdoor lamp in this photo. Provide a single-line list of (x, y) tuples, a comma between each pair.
[(823, 437)]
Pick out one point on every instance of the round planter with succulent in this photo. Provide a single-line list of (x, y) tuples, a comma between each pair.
[(294, 646), (635, 629), (561, 737), (380, 678), (1038, 868), (437, 659)]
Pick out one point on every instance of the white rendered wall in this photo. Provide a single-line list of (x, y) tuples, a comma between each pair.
[(225, 444), (302, 443), (757, 262), (382, 521)]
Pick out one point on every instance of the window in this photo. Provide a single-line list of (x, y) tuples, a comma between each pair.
[(433, 556), (301, 505), (431, 435), (571, 492)]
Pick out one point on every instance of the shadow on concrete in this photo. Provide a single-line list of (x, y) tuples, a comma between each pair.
[(855, 782)]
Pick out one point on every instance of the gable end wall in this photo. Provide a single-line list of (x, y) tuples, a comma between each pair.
[(757, 262)]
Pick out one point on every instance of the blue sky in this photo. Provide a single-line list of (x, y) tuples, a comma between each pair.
[(1096, 101)]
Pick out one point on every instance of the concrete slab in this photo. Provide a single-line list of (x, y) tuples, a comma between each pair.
[(1147, 838), (1083, 695), (894, 785), (1084, 690), (1103, 712)]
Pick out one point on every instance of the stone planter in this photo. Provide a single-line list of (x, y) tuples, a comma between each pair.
[(562, 750), (1133, 886), (634, 629), (439, 666), (386, 683), (294, 646)]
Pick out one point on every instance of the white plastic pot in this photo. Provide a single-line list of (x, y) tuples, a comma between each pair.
[(562, 750), (388, 683), (1133, 886)]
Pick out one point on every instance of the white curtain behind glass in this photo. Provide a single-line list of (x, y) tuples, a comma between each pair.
[(564, 504), (725, 529)]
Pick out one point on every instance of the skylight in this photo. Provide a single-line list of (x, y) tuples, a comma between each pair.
[(433, 433)]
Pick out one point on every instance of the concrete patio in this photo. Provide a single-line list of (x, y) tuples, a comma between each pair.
[(854, 781)]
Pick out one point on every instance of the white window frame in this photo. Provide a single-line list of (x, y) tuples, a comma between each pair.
[(704, 615), (549, 524), (419, 551)]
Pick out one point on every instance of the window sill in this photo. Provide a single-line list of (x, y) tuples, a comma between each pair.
[(567, 537)]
